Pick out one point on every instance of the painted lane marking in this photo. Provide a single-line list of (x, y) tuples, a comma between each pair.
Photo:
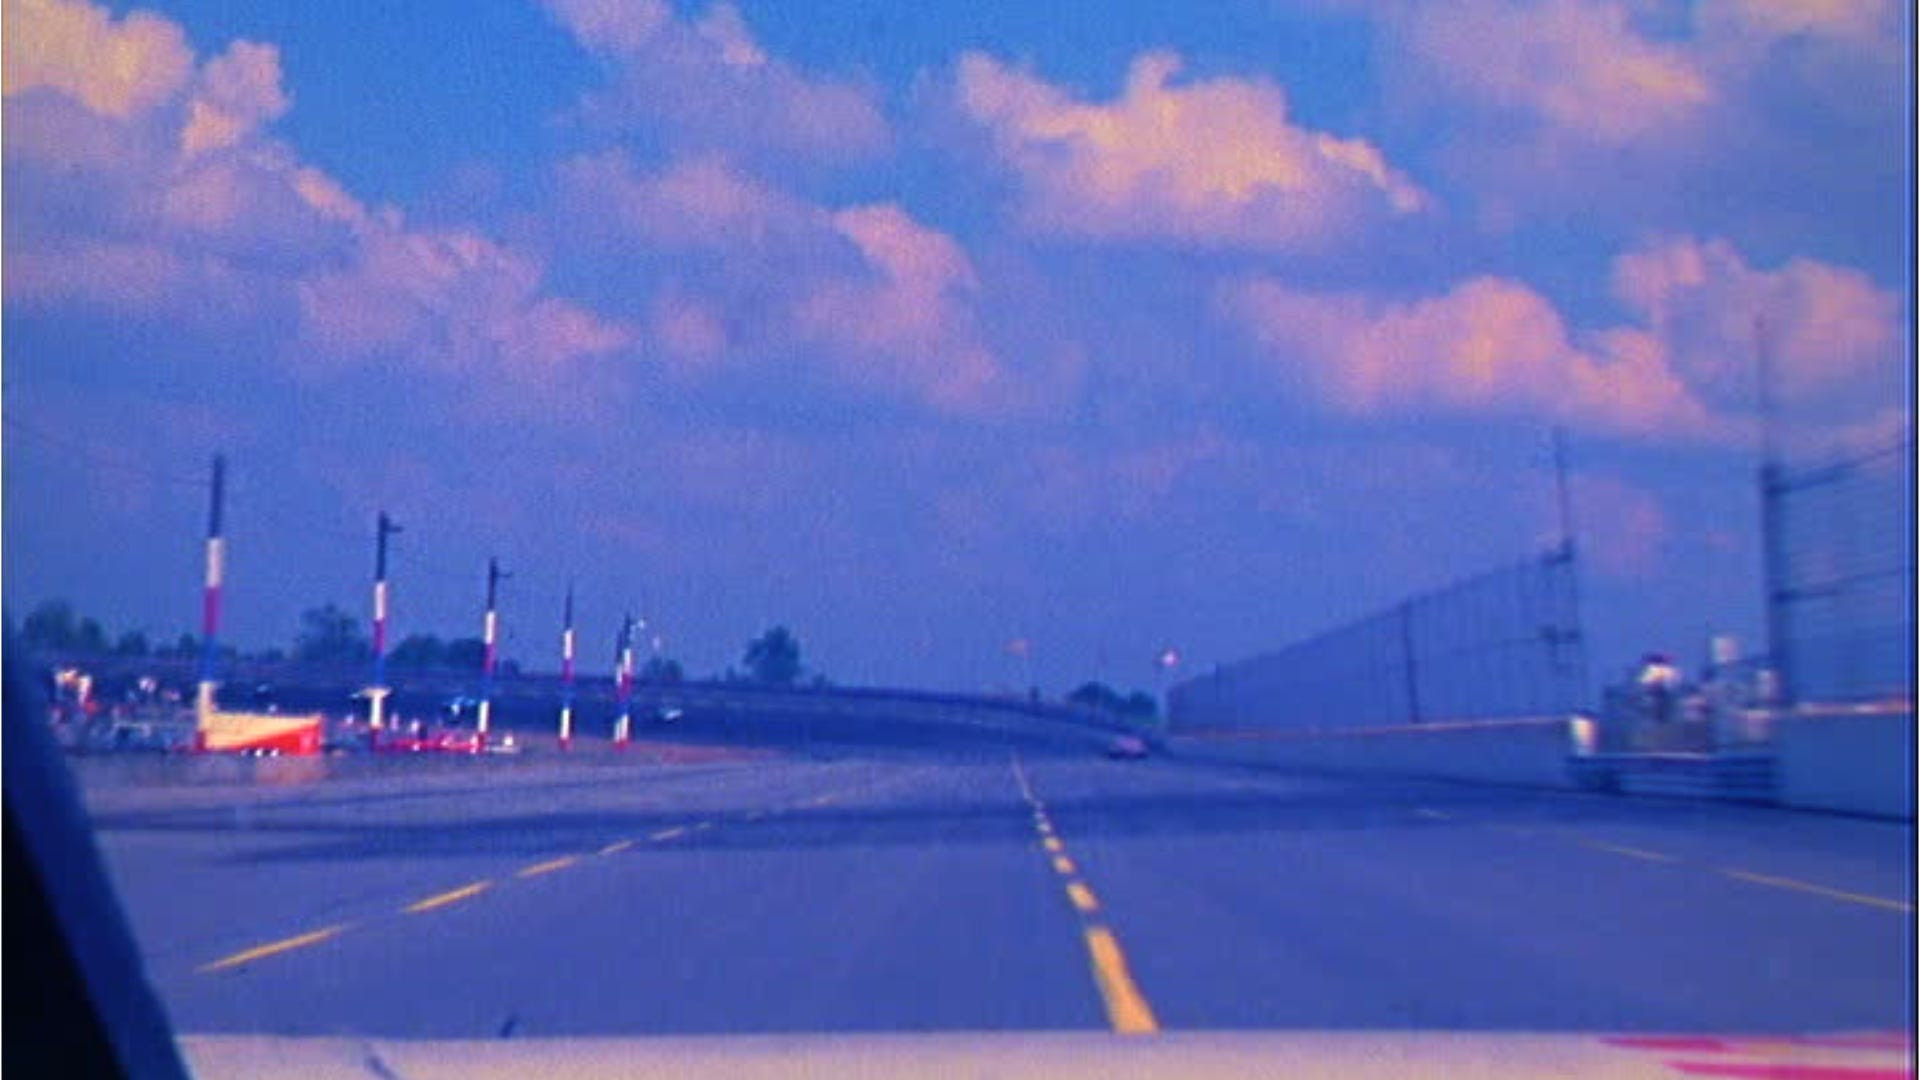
[(667, 834), (1630, 852), (1433, 814), (1127, 1010), (272, 948), (1082, 897), (1063, 865), (1053, 845), (451, 896), (1818, 890), (547, 867), (616, 847)]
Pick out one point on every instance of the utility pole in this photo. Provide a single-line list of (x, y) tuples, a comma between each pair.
[(623, 682), (1773, 483), (377, 693), (210, 602), (566, 675), (490, 656)]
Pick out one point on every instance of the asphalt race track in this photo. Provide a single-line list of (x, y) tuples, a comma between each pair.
[(990, 887)]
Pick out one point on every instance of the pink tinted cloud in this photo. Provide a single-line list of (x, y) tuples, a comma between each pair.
[(709, 85), (1575, 66), (696, 202), (1683, 370), (1828, 327), (1214, 163), (182, 205), (116, 67), (906, 325), (238, 92), (454, 300), (1489, 346), (1615, 105)]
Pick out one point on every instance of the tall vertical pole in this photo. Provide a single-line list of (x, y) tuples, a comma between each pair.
[(490, 637), (377, 693), (210, 602), (1773, 486), (623, 682), (1563, 494), (566, 675)]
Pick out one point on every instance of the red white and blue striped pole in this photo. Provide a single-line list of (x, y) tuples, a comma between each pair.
[(210, 603), (490, 637), (566, 675), (377, 693), (623, 683)]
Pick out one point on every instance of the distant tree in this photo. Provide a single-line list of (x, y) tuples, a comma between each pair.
[(90, 637), (184, 645), (1140, 705), (1096, 695), (661, 669), (273, 655), (466, 654), (773, 658), (418, 651), (132, 643), (49, 626), (328, 634)]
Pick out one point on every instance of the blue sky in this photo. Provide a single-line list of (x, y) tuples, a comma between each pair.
[(920, 329)]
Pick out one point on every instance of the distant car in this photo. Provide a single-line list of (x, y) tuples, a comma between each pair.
[(1127, 747)]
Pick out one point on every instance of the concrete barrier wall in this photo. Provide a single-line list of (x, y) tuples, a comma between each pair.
[(1528, 753), (1859, 763)]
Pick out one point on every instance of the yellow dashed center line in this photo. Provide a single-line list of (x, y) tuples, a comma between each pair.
[(1819, 890), (548, 867), (1053, 845), (616, 847), (273, 947), (1063, 865), (1127, 1011), (1082, 897), (451, 896), (667, 834)]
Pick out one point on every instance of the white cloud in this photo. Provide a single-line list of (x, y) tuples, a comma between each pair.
[(1214, 162)]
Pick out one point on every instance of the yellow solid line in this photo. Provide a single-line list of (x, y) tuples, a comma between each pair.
[(1082, 897), (448, 897), (1820, 890), (666, 834), (548, 867), (1127, 1011), (1052, 844), (1063, 864), (1630, 852), (616, 847), (284, 945)]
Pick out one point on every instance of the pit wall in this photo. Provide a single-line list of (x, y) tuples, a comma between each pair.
[(1858, 762), (1530, 752)]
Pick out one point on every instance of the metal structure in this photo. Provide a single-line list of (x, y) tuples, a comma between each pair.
[(1505, 643), (210, 603), (1839, 549), (377, 693), (490, 644)]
